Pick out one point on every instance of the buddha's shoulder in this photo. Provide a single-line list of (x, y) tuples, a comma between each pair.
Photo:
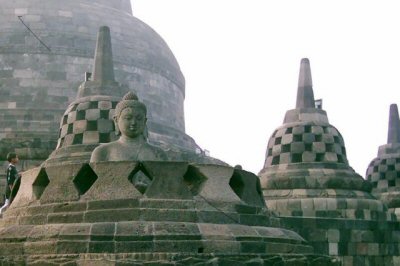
[(159, 153), (107, 146)]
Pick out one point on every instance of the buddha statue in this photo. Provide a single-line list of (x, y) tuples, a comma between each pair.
[(130, 123)]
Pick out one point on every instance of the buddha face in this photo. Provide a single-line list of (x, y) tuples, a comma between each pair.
[(132, 122)]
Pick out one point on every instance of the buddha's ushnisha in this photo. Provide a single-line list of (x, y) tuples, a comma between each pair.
[(130, 123)]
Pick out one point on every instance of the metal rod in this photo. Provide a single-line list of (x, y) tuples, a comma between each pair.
[(48, 48)]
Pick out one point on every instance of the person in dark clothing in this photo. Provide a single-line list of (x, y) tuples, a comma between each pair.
[(11, 176)]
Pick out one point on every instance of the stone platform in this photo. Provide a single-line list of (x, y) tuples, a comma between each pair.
[(168, 213)]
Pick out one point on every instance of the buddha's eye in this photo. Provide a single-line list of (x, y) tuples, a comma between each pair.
[(127, 117)]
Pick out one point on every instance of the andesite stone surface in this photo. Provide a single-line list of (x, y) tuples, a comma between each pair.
[(36, 85), (308, 181), (384, 171), (126, 209)]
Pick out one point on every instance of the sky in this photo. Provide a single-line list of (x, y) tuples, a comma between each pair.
[(241, 60)]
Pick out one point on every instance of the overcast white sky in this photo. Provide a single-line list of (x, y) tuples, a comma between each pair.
[(241, 61)]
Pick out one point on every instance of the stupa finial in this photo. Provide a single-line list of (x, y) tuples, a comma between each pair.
[(305, 94), (103, 69), (394, 125)]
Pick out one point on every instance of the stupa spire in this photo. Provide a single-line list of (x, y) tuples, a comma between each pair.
[(394, 125), (305, 94), (103, 69)]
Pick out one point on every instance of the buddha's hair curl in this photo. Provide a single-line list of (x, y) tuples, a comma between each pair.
[(129, 100)]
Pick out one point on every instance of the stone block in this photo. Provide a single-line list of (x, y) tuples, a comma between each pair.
[(176, 231), (327, 138), (70, 207), (192, 246), (276, 150), (317, 130), (285, 158), (105, 126), (7, 249), (211, 246), (308, 138), (44, 232), (168, 215), (72, 247), (168, 180), (113, 182), (26, 193), (280, 132), (294, 204), (333, 235), (297, 147), (217, 217), (332, 204), (253, 247), (318, 147), (287, 139), (68, 217), (320, 204), (298, 130), (102, 232), (65, 13), (61, 186), (75, 232), (23, 73), (71, 117), (42, 247), (134, 231), (307, 204), (91, 137), (79, 126), (105, 105), (111, 215), (113, 204), (308, 156), (215, 231), (92, 114), (330, 157), (254, 220), (134, 246), (56, 75), (243, 232), (102, 247)]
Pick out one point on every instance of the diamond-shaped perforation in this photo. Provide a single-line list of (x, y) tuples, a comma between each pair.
[(194, 179), (140, 179), (40, 183), (84, 179)]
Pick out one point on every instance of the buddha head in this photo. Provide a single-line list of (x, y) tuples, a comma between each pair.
[(130, 117)]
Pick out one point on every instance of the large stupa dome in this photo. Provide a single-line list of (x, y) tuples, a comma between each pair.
[(37, 84)]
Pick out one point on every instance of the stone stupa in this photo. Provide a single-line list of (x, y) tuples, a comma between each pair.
[(136, 212), (38, 78), (308, 181), (384, 171)]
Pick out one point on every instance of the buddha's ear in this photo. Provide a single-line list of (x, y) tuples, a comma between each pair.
[(145, 132), (117, 132)]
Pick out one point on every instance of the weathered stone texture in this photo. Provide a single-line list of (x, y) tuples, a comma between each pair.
[(92, 225), (36, 84), (308, 182)]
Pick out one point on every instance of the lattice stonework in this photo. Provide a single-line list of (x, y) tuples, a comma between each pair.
[(87, 123), (384, 173), (306, 143)]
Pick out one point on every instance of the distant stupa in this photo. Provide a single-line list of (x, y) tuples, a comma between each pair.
[(308, 181), (384, 171)]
